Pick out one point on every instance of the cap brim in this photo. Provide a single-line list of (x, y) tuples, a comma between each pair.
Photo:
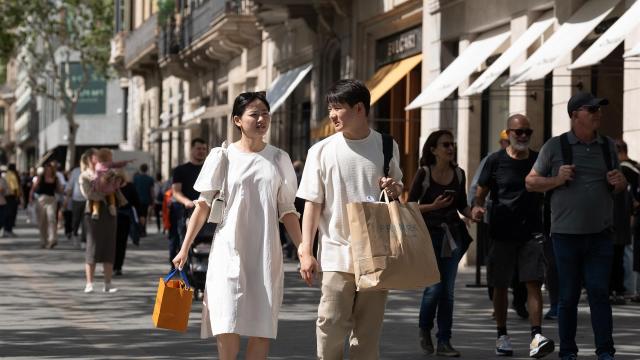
[(598, 102)]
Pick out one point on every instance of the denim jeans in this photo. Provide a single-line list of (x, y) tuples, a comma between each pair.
[(439, 297), (584, 259)]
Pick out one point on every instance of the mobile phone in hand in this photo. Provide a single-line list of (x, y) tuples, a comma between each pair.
[(449, 193)]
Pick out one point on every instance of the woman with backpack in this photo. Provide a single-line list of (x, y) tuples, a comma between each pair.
[(439, 188)]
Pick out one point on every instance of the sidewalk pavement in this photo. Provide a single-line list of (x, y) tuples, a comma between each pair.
[(44, 313)]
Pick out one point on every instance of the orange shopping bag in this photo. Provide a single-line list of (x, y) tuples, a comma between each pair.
[(173, 302)]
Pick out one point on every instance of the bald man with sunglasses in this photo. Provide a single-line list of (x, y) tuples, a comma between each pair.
[(516, 219)]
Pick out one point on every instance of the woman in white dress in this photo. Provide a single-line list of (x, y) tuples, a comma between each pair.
[(245, 278)]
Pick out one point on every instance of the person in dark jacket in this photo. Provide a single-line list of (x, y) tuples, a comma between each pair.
[(126, 222)]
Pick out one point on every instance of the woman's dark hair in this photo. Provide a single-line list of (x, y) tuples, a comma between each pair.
[(350, 92), (244, 99), (427, 158)]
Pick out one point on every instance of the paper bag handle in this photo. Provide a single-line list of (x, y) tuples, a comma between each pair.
[(386, 196), (182, 275)]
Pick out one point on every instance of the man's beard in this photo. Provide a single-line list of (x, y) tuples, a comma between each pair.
[(520, 146)]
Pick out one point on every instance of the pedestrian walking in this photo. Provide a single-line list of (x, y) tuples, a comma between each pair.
[(44, 192), (159, 189), (631, 170), (4, 188), (624, 203), (77, 200), (579, 162), (144, 186), (184, 194), (245, 278), (345, 167), (439, 186), (484, 240), (13, 197), (125, 221), (101, 231), (516, 229)]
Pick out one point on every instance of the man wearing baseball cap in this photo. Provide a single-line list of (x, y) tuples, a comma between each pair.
[(582, 169)]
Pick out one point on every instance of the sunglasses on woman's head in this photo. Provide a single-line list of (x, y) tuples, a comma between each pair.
[(520, 132)]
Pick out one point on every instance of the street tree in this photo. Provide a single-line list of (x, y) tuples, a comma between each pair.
[(48, 37)]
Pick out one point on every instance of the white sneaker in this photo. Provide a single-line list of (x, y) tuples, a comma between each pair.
[(108, 289), (540, 347), (503, 346), (88, 288)]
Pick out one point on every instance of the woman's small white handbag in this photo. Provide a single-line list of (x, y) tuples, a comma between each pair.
[(218, 204)]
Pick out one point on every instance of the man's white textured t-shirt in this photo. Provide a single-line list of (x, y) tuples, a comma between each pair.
[(339, 171)]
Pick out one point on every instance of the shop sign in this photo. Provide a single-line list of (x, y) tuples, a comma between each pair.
[(399, 46), (94, 95)]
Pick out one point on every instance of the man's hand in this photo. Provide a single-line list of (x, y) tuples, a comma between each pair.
[(391, 186), (566, 173), (308, 266), (189, 204), (477, 213), (616, 179)]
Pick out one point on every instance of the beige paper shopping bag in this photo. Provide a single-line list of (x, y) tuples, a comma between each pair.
[(391, 246)]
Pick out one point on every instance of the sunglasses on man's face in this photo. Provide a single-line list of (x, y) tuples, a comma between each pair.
[(520, 132), (592, 109)]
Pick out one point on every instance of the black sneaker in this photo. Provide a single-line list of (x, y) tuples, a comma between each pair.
[(425, 342), (445, 349)]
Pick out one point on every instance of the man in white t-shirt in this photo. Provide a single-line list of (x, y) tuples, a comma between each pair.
[(343, 168)]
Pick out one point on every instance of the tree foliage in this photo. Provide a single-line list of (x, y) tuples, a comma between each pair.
[(46, 35)]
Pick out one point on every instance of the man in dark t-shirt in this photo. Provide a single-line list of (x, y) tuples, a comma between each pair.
[(515, 220), (184, 177)]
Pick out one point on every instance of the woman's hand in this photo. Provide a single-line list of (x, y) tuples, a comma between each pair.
[(308, 267), (442, 201), (180, 259)]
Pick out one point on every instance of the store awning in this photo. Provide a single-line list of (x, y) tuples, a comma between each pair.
[(635, 51), (460, 69), (284, 85), (563, 41), (533, 33), (379, 84), (608, 41)]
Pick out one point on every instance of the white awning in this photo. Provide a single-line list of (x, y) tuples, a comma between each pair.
[(284, 85), (505, 60), (563, 41), (460, 69), (635, 51), (610, 39)]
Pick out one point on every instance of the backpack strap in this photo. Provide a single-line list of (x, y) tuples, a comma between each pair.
[(387, 151), (565, 147), (426, 182), (606, 152)]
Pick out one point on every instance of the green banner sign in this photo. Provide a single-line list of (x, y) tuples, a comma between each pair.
[(93, 98)]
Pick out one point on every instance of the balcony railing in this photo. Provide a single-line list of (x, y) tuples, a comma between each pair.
[(202, 17), (140, 39)]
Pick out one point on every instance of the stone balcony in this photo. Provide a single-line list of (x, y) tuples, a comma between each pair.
[(217, 31), (141, 47)]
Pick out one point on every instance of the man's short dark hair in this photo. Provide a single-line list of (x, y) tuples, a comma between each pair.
[(198, 140), (350, 91), (144, 168)]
